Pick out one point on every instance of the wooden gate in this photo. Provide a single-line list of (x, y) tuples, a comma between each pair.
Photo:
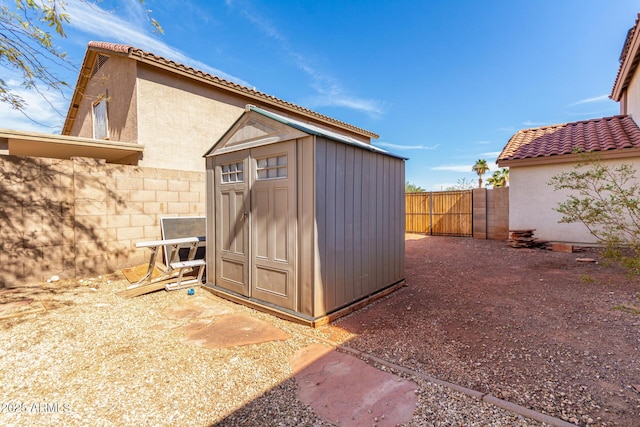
[(443, 213)]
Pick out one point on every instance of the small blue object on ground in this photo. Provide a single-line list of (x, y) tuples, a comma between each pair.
[(191, 291)]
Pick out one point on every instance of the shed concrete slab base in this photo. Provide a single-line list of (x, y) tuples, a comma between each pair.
[(231, 330), (346, 391), (198, 307)]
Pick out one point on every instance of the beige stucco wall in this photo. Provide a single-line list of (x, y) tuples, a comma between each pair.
[(632, 98), (116, 80), (179, 120), (532, 200)]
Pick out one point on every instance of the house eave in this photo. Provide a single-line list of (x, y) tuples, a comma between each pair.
[(78, 90), (570, 158), (627, 67), (34, 144)]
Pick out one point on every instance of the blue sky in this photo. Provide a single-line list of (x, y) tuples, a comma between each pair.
[(442, 82)]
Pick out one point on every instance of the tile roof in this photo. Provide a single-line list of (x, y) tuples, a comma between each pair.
[(605, 134), (157, 60)]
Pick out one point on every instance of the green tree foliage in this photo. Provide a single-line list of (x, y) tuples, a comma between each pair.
[(27, 34), (481, 167), (606, 199), (411, 188), (499, 178), (26, 46)]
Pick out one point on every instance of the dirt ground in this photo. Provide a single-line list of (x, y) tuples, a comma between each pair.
[(531, 326)]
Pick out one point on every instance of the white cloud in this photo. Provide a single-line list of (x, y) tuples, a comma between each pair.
[(337, 98), (492, 153), (452, 168), (330, 92), (134, 30), (530, 123), (40, 114), (599, 98), (94, 21), (463, 168), (406, 147)]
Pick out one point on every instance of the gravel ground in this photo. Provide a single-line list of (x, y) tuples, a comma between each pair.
[(530, 326), (96, 359)]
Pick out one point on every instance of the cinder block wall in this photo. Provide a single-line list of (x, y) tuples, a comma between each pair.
[(479, 213), (491, 213), (80, 217), (498, 213)]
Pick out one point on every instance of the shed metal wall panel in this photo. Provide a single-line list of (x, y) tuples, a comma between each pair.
[(357, 224), (320, 256), (360, 231), (210, 212), (307, 226)]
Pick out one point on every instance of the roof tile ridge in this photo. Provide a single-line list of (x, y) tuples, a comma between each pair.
[(114, 47), (578, 122)]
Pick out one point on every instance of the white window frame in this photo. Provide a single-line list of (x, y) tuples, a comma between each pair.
[(100, 119), (272, 167), (232, 173)]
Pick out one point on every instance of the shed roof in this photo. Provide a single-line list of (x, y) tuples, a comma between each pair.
[(606, 134), (318, 131), (140, 55)]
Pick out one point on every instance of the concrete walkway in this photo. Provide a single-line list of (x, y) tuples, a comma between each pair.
[(333, 379)]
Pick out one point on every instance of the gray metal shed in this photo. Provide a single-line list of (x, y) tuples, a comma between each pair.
[(302, 221)]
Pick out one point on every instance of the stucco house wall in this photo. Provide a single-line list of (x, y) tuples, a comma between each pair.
[(179, 119), (532, 201), (115, 80), (632, 98)]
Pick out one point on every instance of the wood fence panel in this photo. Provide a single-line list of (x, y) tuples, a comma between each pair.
[(418, 212), (445, 213)]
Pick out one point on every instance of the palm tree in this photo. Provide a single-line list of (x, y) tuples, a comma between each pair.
[(505, 176), (494, 180), (481, 167), (499, 178)]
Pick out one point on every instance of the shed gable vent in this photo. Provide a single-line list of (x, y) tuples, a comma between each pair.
[(100, 61)]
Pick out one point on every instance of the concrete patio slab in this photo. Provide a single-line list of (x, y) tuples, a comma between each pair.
[(231, 330), (346, 391)]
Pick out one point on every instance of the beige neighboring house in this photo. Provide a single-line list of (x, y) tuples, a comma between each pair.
[(134, 107), (177, 112), (535, 155)]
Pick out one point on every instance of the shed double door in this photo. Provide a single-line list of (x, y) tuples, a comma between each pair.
[(256, 223)]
